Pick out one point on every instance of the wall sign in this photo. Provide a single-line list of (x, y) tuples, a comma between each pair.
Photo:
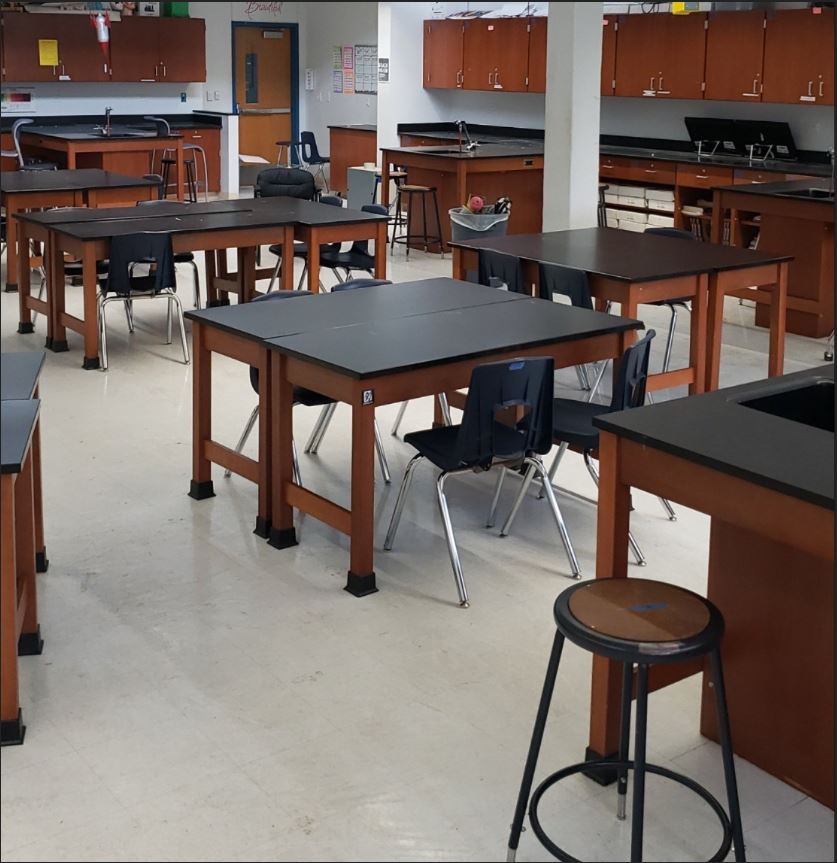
[(383, 68)]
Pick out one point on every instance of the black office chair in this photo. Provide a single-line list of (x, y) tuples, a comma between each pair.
[(311, 155), (179, 257), (572, 426), (358, 257), (28, 163), (290, 182), (159, 284), (300, 248), (480, 442), (303, 396)]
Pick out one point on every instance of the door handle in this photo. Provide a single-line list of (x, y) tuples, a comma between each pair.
[(460, 78), (701, 176), (755, 91), (490, 82), (497, 84), (165, 71), (197, 137), (650, 171)]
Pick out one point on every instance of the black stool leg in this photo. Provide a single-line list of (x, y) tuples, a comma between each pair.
[(624, 739), (191, 182), (438, 224), (638, 809), (424, 219), (535, 745), (726, 751), (165, 168), (396, 222)]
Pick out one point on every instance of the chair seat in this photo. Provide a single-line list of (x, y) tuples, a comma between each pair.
[(409, 187), (319, 160), (572, 421), (40, 166), (309, 398), (438, 445), (680, 301), (300, 249), (351, 260), (179, 258)]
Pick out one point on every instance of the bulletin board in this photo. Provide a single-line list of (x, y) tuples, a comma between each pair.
[(354, 69)]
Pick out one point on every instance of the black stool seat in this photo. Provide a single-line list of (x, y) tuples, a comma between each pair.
[(637, 622)]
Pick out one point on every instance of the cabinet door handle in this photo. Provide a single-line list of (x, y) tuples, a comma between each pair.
[(819, 92), (810, 87), (650, 171), (196, 137), (661, 91), (754, 93), (490, 82), (497, 83), (165, 71), (701, 176)]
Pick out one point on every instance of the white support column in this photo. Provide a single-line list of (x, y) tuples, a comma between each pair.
[(571, 124), (229, 155)]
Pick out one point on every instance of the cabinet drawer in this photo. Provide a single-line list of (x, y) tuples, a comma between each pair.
[(641, 170), (743, 175), (703, 177), (614, 166)]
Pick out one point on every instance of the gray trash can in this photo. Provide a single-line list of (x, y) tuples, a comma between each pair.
[(465, 225)]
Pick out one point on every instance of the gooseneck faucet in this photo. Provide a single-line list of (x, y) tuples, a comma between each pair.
[(108, 109), (463, 130)]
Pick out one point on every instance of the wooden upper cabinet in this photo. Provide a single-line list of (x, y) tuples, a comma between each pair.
[(133, 49), (610, 25), (799, 57), (443, 52), (661, 55), (735, 56), (537, 55), (21, 32), (496, 54), (82, 59), (181, 43)]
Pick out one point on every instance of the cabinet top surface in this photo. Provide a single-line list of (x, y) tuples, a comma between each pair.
[(84, 132), (716, 430), (355, 127), (78, 179), (624, 255), (484, 151)]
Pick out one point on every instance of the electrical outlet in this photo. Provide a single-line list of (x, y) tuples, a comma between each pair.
[(182, 97)]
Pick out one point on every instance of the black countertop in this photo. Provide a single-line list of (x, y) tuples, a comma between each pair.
[(17, 182), (17, 422), (478, 131), (716, 430), (197, 120), (485, 151), (88, 132), (355, 127), (787, 189), (19, 373)]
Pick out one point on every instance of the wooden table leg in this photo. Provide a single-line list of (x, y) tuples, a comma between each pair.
[(698, 335), (286, 274), (314, 261), (12, 245), (611, 562), (201, 486), (12, 729), (778, 313), (29, 641), (715, 330), (264, 517), (41, 562), (381, 250), (458, 265), (56, 291), (385, 182), (91, 329), (23, 284), (361, 576), (209, 258), (246, 273), (282, 533)]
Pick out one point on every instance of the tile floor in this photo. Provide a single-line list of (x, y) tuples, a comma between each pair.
[(204, 697)]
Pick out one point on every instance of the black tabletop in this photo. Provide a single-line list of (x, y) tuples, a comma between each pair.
[(716, 430), (79, 179), (189, 218), (87, 132), (624, 255), (17, 422), (382, 347), (19, 373), (291, 315), (786, 189), (484, 151)]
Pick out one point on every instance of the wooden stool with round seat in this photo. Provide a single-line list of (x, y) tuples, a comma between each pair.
[(641, 623), (404, 195)]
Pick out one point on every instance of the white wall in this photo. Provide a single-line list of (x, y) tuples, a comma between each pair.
[(331, 24), (812, 125)]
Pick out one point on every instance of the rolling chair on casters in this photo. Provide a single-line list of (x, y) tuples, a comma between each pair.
[(480, 442)]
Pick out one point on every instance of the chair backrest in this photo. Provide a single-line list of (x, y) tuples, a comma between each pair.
[(292, 182), (506, 268), (272, 295), (169, 201), (676, 233), (23, 121), (356, 284), (554, 279), (160, 124), (632, 375), (158, 179), (494, 386), (145, 247), (308, 143), (361, 247)]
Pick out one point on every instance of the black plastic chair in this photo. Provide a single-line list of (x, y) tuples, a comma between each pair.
[(124, 287), (496, 267), (179, 257), (358, 257), (480, 442), (303, 396), (311, 155), (572, 425)]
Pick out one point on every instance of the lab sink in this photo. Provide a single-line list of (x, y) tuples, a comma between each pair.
[(811, 194), (447, 152), (810, 404)]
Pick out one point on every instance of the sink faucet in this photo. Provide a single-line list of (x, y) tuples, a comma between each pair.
[(106, 127), (463, 130)]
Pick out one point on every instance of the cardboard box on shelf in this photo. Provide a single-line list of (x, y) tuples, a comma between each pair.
[(612, 193), (654, 204), (636, 227), (632, 201), (632, 191), (631, 216), (660, 194), (660, 221), (613, 215)]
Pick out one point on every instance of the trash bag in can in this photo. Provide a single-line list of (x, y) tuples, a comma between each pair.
[(465, 225)]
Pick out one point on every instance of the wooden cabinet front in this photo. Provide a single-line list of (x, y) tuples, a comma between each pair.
[(703, 176), (21, 32), (735, 56), (133, 49), (799, 57), (181, 44), (537, 55), (443, 53), (496, 55), (609, 29)]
